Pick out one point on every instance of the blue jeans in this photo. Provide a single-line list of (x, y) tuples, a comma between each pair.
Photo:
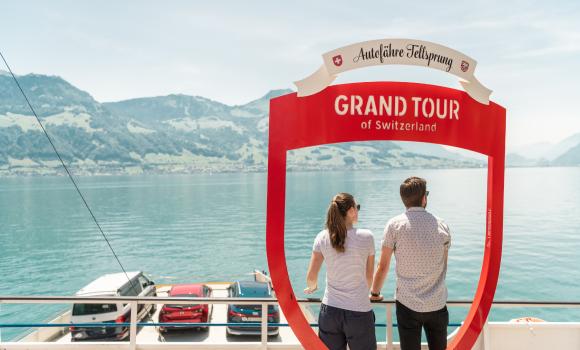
[(339, 327)]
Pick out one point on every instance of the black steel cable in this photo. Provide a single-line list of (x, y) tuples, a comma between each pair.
[(67, 171)]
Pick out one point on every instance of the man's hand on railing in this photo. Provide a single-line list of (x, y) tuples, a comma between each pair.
[(310, 289)]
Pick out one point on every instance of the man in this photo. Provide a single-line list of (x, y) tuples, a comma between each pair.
[(421, 243)]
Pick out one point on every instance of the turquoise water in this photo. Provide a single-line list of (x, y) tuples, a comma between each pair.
[(186, 228)]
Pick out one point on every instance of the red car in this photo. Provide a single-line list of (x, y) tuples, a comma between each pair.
[(199, 313)]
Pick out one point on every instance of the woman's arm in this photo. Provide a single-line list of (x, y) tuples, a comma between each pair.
[(312, 275), (370, 270)]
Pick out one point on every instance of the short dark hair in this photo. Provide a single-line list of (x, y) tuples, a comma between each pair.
[(412, 191)]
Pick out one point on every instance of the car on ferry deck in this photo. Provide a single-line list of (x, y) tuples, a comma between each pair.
[(251, 313), (111, 285), (186, 313)]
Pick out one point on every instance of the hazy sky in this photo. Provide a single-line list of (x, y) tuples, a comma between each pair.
[(528, 52)]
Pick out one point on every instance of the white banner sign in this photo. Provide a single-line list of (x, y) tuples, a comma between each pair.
[(395, 51)]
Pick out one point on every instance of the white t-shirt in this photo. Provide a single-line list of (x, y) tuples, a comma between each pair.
[(346, 284)]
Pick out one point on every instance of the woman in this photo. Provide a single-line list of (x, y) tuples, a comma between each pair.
[(346, 315)]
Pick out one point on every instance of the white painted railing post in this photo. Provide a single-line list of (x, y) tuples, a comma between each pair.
[(389, 327), (133, 327), (485, 333), (264, 323)]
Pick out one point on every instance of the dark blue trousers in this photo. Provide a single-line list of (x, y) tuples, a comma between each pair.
[(339, 327)]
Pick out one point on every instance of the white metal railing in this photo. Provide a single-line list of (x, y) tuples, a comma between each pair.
[(134, 302)]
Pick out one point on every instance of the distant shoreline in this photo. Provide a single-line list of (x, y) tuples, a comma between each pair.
[(60, 172)]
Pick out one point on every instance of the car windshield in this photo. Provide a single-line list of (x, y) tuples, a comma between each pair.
[(92, 309), (254, 291)]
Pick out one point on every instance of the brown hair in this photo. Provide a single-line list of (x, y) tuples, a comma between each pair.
[(335, 219), (412, 191)]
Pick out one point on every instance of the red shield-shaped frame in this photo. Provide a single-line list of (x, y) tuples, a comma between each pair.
[(297, 122)]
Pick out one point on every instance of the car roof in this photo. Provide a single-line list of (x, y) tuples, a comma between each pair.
[(254, 289), (107, 284), (181, 289)]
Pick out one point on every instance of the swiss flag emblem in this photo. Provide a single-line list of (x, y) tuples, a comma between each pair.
[(337, 60)]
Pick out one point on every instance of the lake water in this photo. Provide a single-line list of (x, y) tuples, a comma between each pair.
[(190, 228)]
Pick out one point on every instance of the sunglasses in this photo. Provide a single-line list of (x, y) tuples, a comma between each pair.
[(358, 207), (426, 193)]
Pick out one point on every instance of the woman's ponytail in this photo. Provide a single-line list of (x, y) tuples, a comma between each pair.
[(336, 219)]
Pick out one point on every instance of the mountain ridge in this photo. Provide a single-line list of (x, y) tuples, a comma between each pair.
[(175, 133)]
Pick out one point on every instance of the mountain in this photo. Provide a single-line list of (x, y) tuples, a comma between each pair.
[(86, 134), (515, 160), (174, 133), (540, 154), (163, 108), (439, 151), (570, 157), (533, 151)]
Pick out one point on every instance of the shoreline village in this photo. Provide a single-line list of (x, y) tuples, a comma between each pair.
[(396, 106)]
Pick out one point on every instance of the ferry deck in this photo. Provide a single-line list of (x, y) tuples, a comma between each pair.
[(144, 335)]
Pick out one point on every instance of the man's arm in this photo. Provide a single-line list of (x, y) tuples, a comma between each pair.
[(381, 273), (447, 244), (312, 274)]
